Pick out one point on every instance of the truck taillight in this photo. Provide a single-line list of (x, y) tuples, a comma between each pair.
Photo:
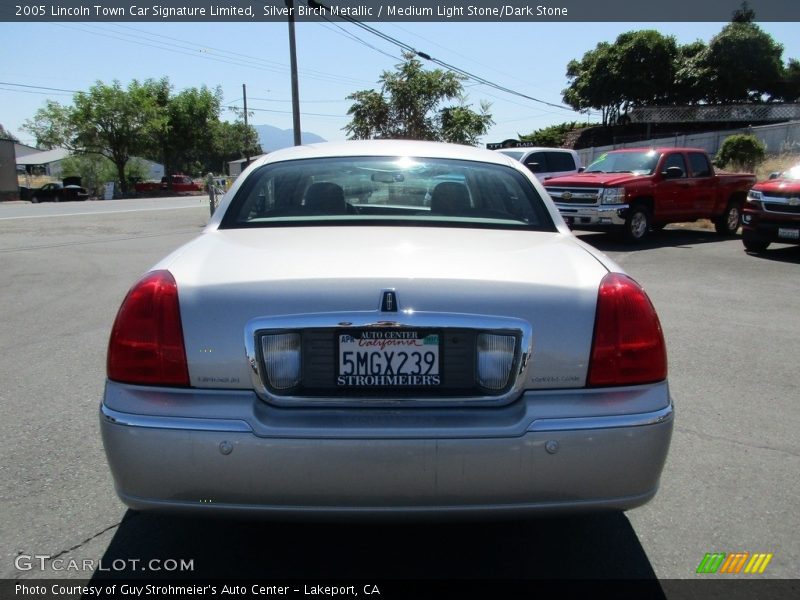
[(628, 346), (146, 345)]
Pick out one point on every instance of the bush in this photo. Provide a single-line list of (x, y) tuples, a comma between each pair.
[(741, 152)]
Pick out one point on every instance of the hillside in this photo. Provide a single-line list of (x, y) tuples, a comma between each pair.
[(273, 138)]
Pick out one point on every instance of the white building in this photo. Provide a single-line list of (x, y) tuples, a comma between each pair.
[(49, 163)]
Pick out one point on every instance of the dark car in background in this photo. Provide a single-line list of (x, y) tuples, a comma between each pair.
[(58, 192)]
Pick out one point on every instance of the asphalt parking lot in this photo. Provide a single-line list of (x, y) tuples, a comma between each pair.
[(732, 325)]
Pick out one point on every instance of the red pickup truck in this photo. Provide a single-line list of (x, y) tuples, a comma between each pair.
[(180, 183), (640, 189), (772, 212)]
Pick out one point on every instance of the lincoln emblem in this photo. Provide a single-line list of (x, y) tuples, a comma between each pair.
[(389, 301)]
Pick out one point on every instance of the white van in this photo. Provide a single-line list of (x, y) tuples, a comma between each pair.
[(546, 162)]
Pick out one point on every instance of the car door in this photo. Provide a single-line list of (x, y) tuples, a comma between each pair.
[(703, 183), (675, 196)]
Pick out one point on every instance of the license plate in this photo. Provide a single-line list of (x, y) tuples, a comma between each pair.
[(388, 358), (789, 234)]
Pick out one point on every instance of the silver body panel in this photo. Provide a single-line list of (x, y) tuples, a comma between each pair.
[(551, 451), (227, 444), (227, 278)]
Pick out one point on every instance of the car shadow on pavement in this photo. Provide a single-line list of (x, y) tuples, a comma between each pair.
[(600, 546), (779, 253), (671, 237)]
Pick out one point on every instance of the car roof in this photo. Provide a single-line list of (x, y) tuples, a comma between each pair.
[(389, 148)]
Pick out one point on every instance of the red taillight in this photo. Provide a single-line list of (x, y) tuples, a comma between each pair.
[(146, 345), (628, 345)]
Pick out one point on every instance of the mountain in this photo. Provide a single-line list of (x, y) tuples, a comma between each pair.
[(272, 138)]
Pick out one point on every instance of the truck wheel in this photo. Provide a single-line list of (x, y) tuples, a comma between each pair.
[(728, 223), (637, 223), (35, 199)]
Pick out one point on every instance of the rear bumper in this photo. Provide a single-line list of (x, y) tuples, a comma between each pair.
[(593, 216), (389, 465)]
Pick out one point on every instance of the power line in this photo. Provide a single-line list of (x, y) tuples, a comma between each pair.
[(39, 87), (286, 112), (205, 48), (357, 39), (410, 49), (197, 52)]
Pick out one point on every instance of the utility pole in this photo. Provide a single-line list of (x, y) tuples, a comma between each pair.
[(293, 65), (246, 145)]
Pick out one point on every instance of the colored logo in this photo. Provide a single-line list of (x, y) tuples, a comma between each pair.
[(734, 563)]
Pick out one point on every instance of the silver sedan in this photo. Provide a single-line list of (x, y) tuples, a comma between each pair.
[(386, 327)]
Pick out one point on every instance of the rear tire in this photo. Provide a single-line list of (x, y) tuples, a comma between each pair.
[(637, 224), (728, 223), (35, 199)]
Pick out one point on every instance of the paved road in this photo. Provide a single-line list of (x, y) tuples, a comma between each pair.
[(733, 329)]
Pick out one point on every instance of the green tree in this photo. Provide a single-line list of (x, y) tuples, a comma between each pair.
[(410, 106), (233, 140), (741, 151), (107, 120), (790, 84), (744, 14), (95, 170), (743, 64), (192, 118), (553, 136), (5, 134), (691, 75), (590, 85), (638, 69)]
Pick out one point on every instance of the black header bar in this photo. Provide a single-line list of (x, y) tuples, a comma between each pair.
[(248, 11)]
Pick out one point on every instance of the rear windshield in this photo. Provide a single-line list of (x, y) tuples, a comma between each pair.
[(381, 190)]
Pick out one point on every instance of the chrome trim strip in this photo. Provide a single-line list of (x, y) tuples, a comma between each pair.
[(780, 201), (611, 422), (588, 209), (405, 318), (183, 423)]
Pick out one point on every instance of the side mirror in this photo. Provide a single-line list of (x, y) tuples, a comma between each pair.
[(581, 169), (673, 173), (775, 175)]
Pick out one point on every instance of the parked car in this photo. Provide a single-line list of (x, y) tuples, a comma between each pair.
[(639, 189), (319, 351), (180, 184), (58, 192), (546, 162), (772, 212)]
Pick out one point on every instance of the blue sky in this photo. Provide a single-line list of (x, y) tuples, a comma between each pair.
[(530, 58)]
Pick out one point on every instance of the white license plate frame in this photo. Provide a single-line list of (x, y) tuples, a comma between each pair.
[(389, 358)]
